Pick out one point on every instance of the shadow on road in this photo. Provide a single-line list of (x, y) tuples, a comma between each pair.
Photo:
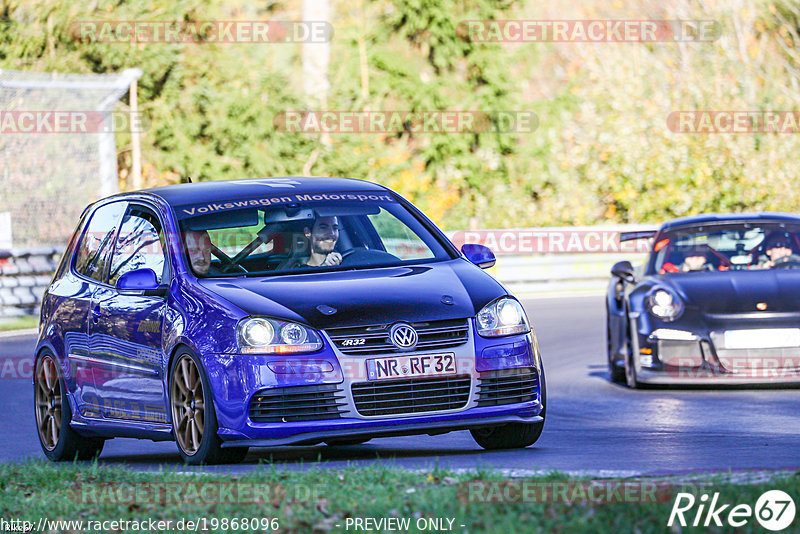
[(305, 455)]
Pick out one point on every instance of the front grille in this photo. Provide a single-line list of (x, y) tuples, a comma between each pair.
[(297, 403), (681, 353), (742, 360), (374, 339), (508, 386), (414, 395)]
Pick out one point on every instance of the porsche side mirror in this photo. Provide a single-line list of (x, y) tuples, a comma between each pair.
[(624, 271)]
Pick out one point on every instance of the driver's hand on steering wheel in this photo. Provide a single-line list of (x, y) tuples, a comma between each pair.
[(334, 258)]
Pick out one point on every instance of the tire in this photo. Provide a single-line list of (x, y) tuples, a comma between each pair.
[(513, 435), (194, 420), (630, 371), (346, 441), (615, 373), (53, 414)]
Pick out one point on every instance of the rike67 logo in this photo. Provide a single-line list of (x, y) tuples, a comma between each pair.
[(774, 510)]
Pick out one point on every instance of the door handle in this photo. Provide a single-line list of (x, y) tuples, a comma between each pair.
[(95, 314)]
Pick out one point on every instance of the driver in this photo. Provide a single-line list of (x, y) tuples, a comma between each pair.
[(198, 246), (695, 260), (778, 248), (322, 237)]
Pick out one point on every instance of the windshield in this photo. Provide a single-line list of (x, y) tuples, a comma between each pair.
[(322, 232), (747, 245)]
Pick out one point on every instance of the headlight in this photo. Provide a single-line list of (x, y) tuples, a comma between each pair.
[(257, 335), (664, 304), (668, 334), (502, 317)]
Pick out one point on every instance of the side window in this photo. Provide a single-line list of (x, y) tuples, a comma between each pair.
[(92, 253), (399, 239), (140, 245)]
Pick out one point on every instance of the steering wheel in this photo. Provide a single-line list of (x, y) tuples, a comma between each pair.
[(365, 256), (346, 255), (787, 262)]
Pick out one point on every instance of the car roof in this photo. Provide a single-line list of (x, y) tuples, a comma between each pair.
[(717, 218), (222, 190)]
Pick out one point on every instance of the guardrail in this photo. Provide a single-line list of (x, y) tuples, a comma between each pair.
[(530, 261), (24, 275), (546, 274), (557, 260)]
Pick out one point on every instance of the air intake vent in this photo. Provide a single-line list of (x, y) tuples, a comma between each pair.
[(297, 403), (508, 386), (408, 396)]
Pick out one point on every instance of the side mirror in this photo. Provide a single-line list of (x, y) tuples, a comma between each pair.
[(624, 271), (480, 255), (141, 280)]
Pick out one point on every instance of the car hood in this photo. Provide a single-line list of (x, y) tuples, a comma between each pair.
[(738, 291), (361, 297)]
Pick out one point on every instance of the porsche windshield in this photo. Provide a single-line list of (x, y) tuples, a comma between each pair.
[(726, 247), (283, 237)]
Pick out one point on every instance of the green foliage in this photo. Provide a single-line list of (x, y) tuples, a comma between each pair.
[(322, 499), (602, 151)]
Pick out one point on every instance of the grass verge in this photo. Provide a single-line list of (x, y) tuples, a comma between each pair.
[(318, 500), (19, 323)]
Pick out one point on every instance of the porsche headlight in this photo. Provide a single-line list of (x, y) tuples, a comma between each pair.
[(664, 304), (257, 335), (502, 317)]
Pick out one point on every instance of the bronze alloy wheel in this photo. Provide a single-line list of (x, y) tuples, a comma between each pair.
[(188, 408), (48, 402)]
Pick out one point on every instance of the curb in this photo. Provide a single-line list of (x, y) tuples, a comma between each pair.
[(19, 333)]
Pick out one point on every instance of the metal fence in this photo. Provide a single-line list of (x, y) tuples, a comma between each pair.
[(57, 151), (24, 275), (556, 274)]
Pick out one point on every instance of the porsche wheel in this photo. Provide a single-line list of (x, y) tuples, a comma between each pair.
[(615, 372), (53, 415), (630, 371)]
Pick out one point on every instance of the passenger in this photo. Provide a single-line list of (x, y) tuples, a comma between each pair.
[(778, 247)]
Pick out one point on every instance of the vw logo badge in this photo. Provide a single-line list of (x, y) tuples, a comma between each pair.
[(403, 336)]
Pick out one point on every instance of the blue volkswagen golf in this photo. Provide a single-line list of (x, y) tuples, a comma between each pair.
[(282, 311)]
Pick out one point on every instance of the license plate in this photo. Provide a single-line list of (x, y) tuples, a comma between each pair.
[(765, 338), (411, 366)]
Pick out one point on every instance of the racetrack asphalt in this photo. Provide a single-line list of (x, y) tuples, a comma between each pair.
[(593, 426)]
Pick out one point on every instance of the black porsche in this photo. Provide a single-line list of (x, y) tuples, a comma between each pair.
[(718, 301)]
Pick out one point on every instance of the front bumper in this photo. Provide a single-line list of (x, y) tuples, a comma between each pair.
[(710, 377), (706, 360), (432, 425), (236, 381)]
